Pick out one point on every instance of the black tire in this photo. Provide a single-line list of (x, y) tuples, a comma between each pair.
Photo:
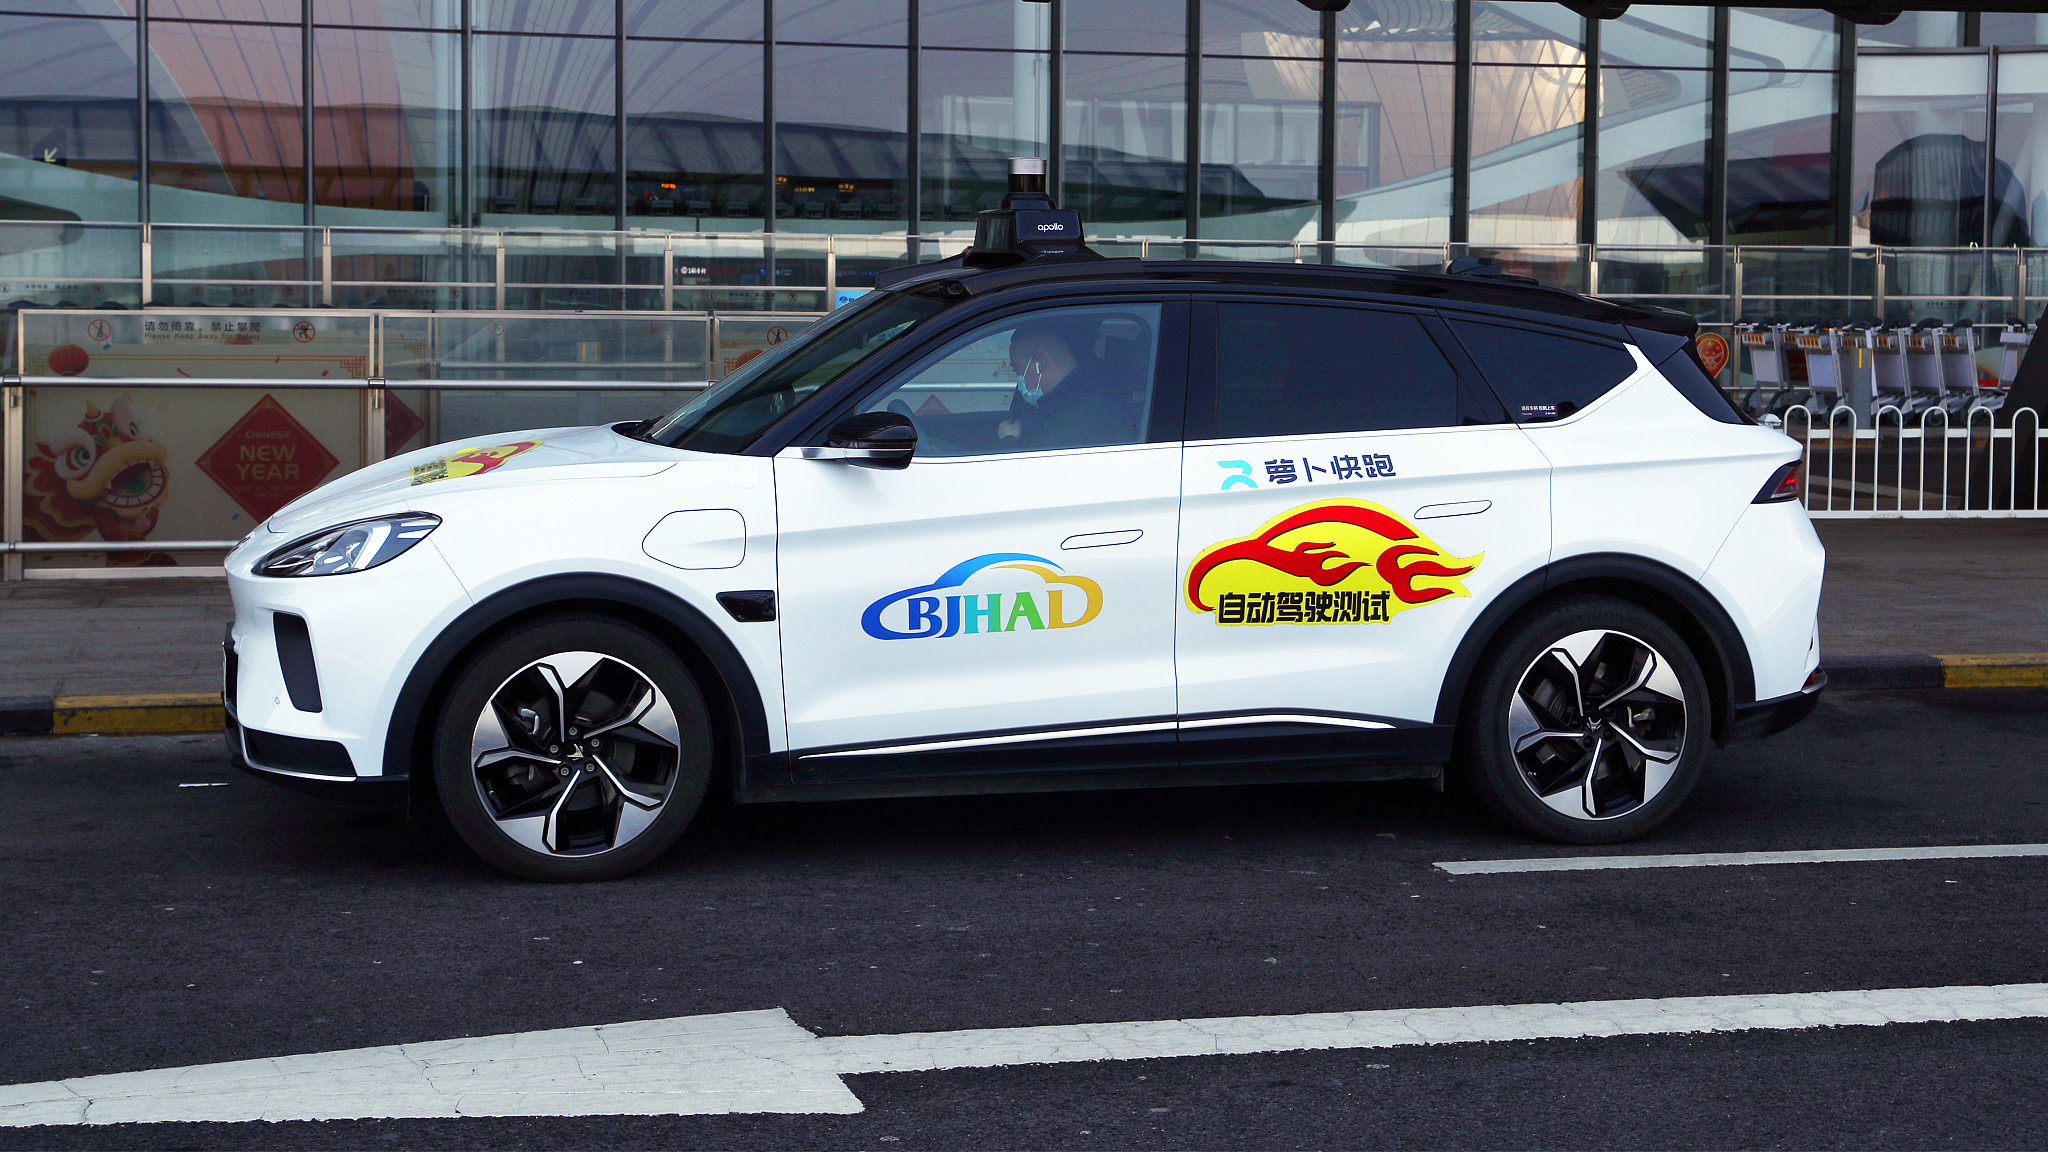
[(1539, 762), (594, 798)]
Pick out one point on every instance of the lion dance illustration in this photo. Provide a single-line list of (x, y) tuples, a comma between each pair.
[(107, 476)]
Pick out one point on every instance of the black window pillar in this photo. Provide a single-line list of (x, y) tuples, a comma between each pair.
[(768, 124), (619, 120), (1991, 199), (1589, 140), (465, 198), (1056, 102), (1461, 127), (1326, 176), (306, 118), (142, 59), (1717, 135), (1192, 195), (1842, 175), (913, 137)]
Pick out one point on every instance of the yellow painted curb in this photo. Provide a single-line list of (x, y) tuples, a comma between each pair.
[(166, 712), (2002, 670)]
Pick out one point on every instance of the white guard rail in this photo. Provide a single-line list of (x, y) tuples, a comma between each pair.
[(1926, 465)]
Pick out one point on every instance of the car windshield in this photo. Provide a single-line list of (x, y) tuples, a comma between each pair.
[(731, 414)]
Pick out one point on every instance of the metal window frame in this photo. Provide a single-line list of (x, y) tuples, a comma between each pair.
[(1191, 195), (1461, 124), (768, 145), (464, 209), (1589, 137), (1326, 142), (913, 120)]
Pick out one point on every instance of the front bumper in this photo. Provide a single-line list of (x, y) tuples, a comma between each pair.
[(319, 767), (1762, 718)]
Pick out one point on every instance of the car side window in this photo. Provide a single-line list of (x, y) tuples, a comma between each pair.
[(1059, 378), (1299, 369), (1543, 375)]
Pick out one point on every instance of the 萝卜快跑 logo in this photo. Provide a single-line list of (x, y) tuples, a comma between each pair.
[(938, 610), (1331, 562)]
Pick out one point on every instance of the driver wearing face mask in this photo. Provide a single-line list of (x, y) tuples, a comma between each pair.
[(1064, 399)]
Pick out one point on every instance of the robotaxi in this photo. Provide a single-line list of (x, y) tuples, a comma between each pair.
[(1035, 519)]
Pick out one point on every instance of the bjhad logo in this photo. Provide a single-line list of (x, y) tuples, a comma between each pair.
[(929, 612), (1331, 562), (469, 463)]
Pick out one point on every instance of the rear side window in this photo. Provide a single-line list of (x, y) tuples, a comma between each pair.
[(1543, 375), (1299, 369)]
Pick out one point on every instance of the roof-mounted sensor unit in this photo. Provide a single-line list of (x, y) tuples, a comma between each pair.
[(1027, 225)]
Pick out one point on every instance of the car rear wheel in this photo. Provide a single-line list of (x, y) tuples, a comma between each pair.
[(574, 748), (1588, 722)]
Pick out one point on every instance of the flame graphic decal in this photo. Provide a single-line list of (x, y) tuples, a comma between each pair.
[(1376, 562), (470, 462)]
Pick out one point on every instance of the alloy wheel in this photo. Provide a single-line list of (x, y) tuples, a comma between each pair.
[(1597, 725), (575, 754)]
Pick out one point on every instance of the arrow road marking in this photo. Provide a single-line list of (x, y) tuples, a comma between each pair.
[(1719, 859), (765, 1062)]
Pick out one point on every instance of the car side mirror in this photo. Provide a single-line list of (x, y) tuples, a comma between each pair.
[(869, 440)]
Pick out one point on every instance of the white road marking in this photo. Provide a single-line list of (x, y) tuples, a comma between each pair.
[(764, 1062), (1720, 859), (690, 1066)]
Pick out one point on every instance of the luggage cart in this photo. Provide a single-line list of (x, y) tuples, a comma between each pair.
[(1888, 382), (1835, 374), (2013, 342), (1958, 354), (1925, 386), (1766, 345), (1823, 388)]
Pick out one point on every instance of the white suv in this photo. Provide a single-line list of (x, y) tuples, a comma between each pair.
[(1060, 523)]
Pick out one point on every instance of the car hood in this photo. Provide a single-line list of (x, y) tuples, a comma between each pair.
[(412, 481)]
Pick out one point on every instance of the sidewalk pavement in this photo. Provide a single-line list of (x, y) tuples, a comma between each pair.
[(1907, 604)]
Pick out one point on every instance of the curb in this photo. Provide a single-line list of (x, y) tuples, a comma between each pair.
[(112, 715), (202, 711), (2001, 670)]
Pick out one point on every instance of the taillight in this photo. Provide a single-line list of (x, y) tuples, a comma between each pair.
[(1783, 485)]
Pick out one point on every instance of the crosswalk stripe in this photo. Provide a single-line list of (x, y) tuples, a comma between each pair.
[(764, 1062), (1721, 859)]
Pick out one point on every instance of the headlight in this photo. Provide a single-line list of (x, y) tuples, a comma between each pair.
[(350, 547)]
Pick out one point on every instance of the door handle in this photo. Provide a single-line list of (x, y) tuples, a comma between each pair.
[(1462, 508), (1101, 539)]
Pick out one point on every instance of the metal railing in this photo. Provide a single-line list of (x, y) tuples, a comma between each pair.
[(44, 523), (1932, 464), (426, 374), (182, 265)]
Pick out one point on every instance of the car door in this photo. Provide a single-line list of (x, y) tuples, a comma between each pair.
[(1005, 602), (1350, 501)]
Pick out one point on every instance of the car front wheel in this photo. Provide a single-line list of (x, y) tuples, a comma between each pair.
[(575, 748), (1588, 722)]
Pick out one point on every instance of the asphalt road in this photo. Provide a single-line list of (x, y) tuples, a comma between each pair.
[(149, 925)]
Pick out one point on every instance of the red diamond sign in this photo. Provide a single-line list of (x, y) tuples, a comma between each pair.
[(267, 459), (400, 424)]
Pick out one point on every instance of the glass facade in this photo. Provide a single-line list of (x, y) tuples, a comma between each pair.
[(1498, 123)]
